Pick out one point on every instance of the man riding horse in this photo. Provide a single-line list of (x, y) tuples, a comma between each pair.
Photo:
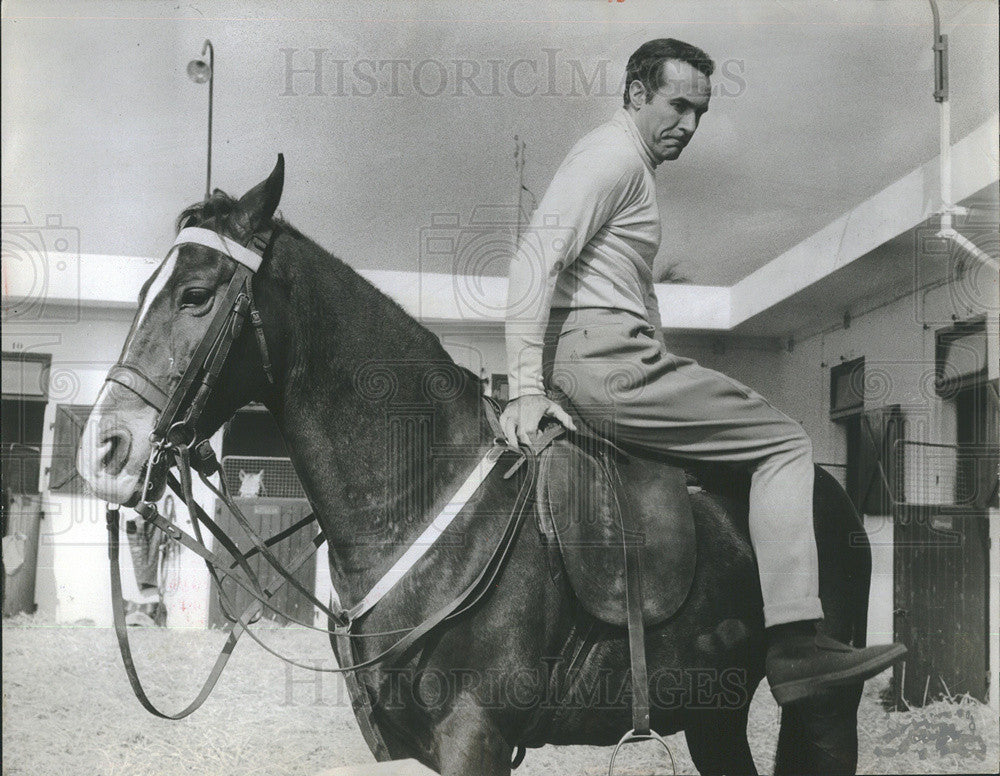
[(583, 319), (387, 435)]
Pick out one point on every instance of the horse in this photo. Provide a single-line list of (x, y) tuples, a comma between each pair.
[(381, 426)]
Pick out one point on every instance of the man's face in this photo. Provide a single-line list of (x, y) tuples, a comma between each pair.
[(669, 120)]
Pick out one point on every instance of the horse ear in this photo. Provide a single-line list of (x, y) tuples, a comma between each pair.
[(257, 206)]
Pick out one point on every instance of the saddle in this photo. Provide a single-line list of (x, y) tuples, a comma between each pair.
[(594, 503), (624, 530)]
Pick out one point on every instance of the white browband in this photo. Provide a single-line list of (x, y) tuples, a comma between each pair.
[(219, 242)]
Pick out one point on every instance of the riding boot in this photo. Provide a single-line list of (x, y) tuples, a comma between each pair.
[(801, 661)]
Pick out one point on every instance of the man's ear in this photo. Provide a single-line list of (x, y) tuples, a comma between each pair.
[(637, 94), (257, 206)]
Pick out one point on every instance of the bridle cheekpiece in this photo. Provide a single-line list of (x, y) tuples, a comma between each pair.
[(180, 408)]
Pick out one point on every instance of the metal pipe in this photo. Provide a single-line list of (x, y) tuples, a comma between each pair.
[(940, 57), (948, 208), (977, 253), (211, 84), (940, 47)]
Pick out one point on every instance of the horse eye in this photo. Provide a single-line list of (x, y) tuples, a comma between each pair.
[(195, 297)]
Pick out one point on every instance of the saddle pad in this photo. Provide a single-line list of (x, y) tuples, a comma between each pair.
[(581, 495)]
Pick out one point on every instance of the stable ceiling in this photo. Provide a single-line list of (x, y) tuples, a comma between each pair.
[(819, 106)]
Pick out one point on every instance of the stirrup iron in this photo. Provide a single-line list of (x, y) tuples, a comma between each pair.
[(632, 737)]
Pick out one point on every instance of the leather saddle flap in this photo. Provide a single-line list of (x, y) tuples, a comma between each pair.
[(592, 500)]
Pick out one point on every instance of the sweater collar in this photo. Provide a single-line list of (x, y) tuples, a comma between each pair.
[(624, 118)]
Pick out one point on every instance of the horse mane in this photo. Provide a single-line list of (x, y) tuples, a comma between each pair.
[(220, 205)]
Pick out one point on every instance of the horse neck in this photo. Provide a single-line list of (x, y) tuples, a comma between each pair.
[(380, 423)]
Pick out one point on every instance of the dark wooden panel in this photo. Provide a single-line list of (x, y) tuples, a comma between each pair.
[(21, 438), (940, 571), (879, 460), (268, 516), (69, 423)]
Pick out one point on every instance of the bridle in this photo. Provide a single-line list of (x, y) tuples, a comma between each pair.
[(175, 444), (180, 409)]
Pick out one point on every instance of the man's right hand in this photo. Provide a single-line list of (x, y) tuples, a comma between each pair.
[(521, 417)]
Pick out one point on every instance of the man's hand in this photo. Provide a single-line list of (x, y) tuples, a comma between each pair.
[(521, 417)]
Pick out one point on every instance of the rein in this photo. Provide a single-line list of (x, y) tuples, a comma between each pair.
[(174, 444)]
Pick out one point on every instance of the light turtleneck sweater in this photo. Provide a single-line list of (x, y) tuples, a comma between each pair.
[(590, 243)]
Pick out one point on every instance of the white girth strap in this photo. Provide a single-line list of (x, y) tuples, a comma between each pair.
[(430, 535), (219, 242)]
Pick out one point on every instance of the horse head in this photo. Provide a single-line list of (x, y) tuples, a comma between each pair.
[(180, 309)]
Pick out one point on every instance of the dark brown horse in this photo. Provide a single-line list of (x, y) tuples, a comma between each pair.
[(382, 426)]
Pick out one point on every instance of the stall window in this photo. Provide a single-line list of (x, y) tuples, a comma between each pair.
[(960, 357), (847, 389), (25, 394), (68, 428), (255, 460)]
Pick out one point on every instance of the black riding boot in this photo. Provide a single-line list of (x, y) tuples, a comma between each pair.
[(801, 661)]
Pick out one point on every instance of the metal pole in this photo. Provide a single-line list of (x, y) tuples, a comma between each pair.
[(211, 83), (948, 207), (940, 48)]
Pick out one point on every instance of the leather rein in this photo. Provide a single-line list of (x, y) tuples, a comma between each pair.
[(175, 444)]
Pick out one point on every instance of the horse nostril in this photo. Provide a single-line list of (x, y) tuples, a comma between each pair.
[(114, 450), (107, 451)]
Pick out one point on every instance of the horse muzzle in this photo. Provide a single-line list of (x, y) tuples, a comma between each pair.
[(115, 453)]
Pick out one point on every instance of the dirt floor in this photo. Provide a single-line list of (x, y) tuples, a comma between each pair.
[(68, 711)]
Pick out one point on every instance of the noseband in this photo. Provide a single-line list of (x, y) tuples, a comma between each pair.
[(180, 409)]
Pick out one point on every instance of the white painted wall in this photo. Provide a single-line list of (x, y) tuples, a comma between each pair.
[(897, 341), (72, 582)]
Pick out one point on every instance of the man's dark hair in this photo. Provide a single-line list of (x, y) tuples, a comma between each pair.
[(646, 63)]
